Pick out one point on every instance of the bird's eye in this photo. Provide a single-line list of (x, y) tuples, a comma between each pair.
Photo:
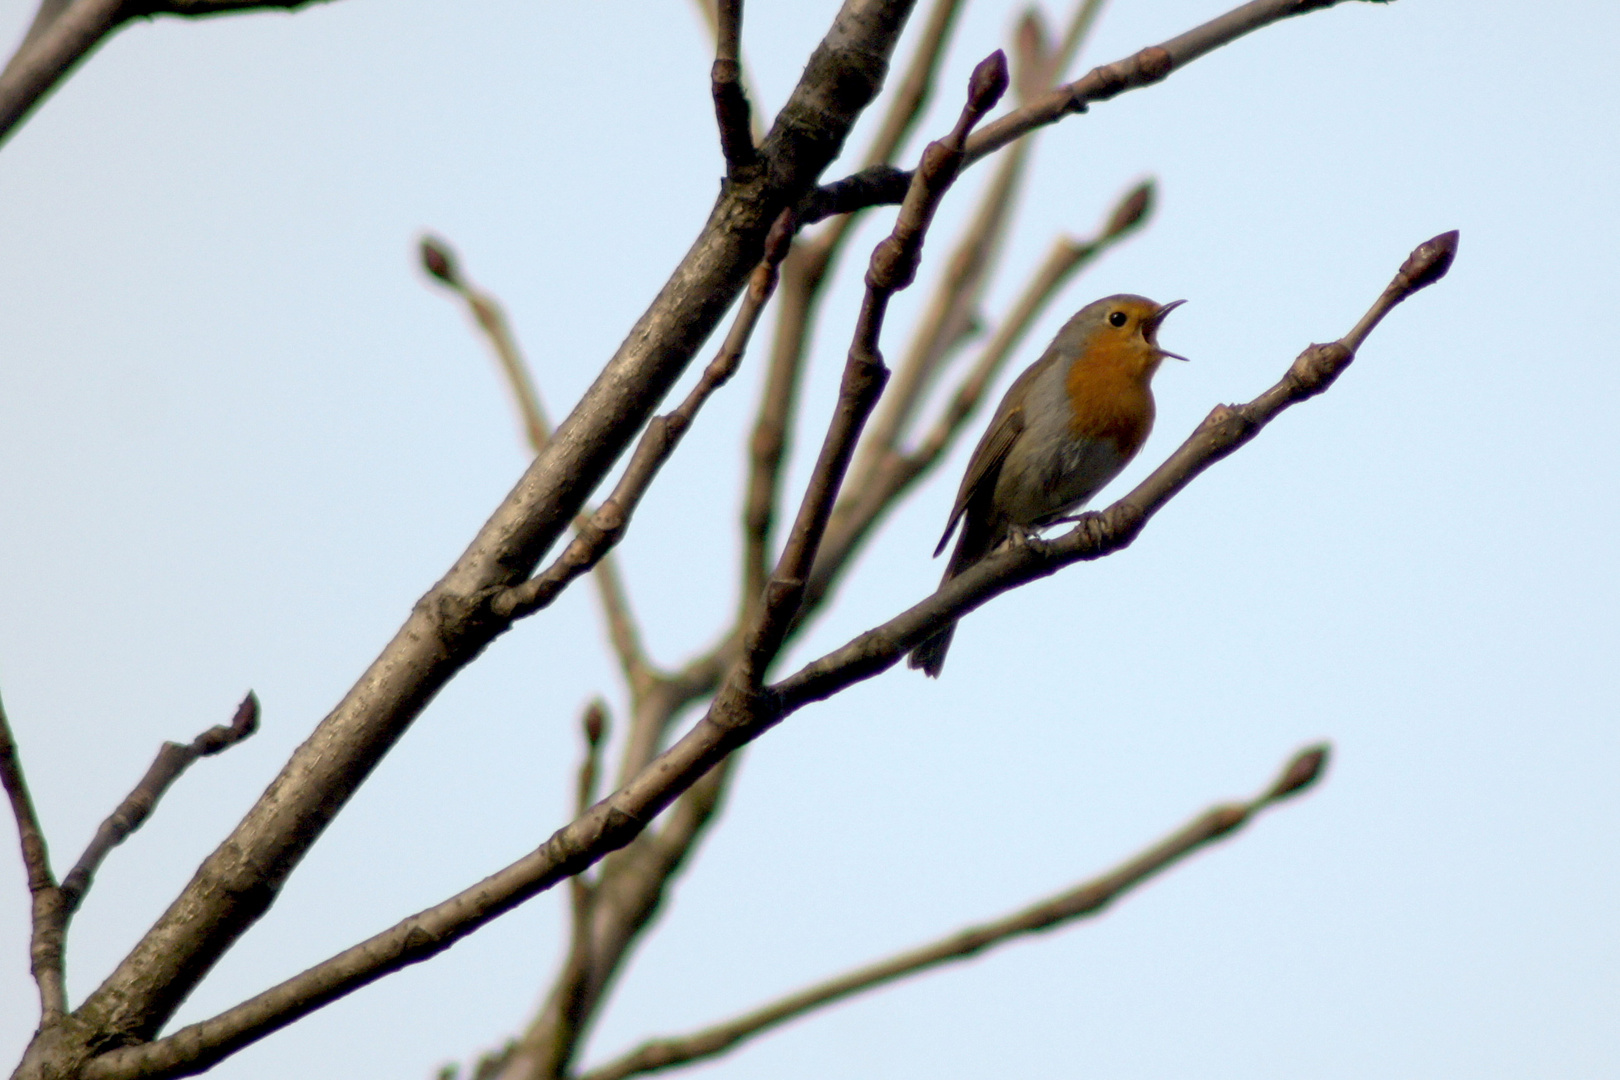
[(1117, 318)]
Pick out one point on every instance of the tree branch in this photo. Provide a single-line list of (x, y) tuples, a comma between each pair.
[(440, 261), (735, 719), (893, 267), (172, 760), (1081, 901), (1144, 68), (453, 623), (65, 31), (1102, 533), (604, 528), (804, 274), (731, 110), (45, 944)]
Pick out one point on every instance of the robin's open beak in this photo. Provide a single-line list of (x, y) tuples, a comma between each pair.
[(1150, 328)]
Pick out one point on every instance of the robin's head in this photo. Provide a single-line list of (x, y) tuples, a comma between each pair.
[(1120, 330)]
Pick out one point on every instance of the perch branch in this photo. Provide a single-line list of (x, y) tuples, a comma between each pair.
[(737, 719), (1081, 901), (1102, 533)]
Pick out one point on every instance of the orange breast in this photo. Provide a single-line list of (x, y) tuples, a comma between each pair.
[(1109, 394)]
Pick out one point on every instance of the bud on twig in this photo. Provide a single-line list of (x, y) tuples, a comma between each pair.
[(988, 83), (438, 261), (1302, 772), (595, 724), (1429, 261), (1132, 210)]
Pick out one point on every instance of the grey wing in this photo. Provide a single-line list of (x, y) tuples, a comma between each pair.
[(984, 468)]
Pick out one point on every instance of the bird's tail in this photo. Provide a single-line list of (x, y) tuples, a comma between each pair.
[(972, 545)]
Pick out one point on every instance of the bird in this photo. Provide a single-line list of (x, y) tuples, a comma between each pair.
[(1066, 427)]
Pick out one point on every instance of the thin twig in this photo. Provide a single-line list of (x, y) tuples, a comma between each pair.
[(604, 528), (804, 274), (1081, 901), (893, 267), (65, 31), (440, 261), (172, 760), (48, 918), (1143, 68), (731, 109)]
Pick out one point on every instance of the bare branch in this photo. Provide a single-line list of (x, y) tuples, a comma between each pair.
[(1144, 68), (893, 267), (65, 31), (1102, 533), (52, 49), (48, 917), (737, 718), (440, 261), (452, 623), (804, 273), (731, 109), (1081, 901), (607, 525), (172, 760)]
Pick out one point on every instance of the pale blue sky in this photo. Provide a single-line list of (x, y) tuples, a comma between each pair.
[(239, 436)]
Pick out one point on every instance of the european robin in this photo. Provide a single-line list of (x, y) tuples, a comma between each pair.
[(1067, 426)]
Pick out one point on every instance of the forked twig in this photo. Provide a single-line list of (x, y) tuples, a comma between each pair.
[(439, 260), (893, 267), (604, 528)]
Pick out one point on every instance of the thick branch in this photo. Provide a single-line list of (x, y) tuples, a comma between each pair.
[(452, 623), (1089, 898)]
